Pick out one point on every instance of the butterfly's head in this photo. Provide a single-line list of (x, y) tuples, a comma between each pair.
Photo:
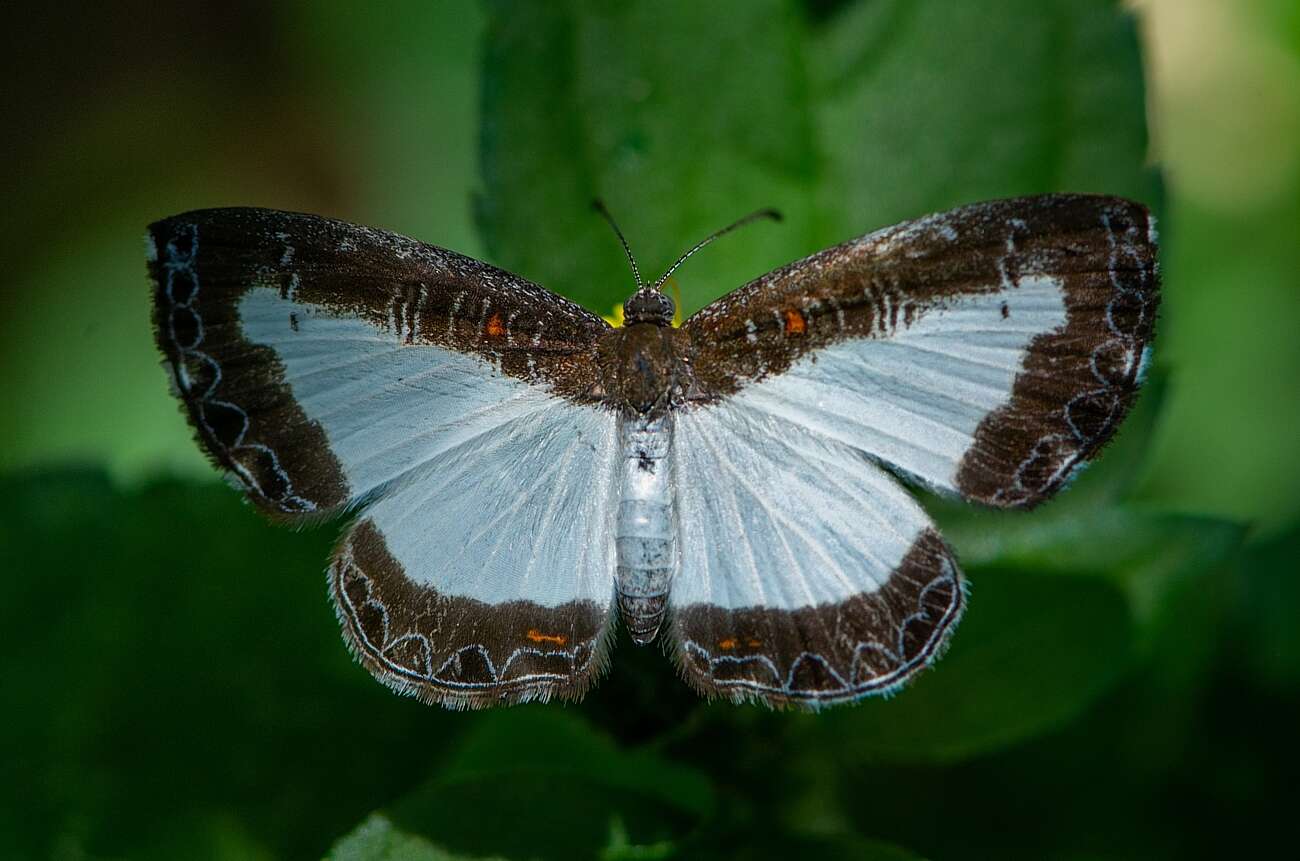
[(648, 305)]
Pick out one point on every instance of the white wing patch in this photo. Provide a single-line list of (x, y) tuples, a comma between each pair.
[(524, 513), (774, 516), (915, 399), (385, 406), (484, 486)]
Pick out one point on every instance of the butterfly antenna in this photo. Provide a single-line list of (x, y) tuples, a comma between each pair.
[(599, 206), (753, 216)]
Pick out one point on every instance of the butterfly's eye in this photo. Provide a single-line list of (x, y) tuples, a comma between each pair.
[(649, 306)]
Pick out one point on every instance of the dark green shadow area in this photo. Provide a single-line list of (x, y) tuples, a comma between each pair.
[(538, 782), (174, 665)]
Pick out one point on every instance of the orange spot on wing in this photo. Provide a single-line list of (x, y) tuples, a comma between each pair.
[(728, 643), (751, 642), (794, 322), (538, 637), (494, 327)]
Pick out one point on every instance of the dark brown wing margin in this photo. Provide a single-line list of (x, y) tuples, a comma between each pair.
[(458, 652), (811, 657), (1076, 384), (235, 393)]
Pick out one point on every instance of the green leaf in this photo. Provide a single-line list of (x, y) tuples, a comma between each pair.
[(923, 105), (200, 836), (1230, 441), (884, 111), (640, 104), (176, 678), (1267, 595), (1030, 653), (539, 782), (1142, 552)]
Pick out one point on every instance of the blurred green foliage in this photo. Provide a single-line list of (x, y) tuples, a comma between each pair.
[(1126, 683), (878, 113)]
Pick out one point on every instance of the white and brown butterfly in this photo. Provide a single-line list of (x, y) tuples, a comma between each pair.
[(520, 469)]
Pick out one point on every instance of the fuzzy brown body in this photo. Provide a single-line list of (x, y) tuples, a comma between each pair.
[(646, 369)]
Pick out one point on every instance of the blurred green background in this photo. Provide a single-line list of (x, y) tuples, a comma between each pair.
[(1126, 683)]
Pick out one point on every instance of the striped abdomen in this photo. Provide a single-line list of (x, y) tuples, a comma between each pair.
[(645, 530)]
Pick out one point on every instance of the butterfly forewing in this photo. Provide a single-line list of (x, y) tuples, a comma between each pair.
[(242, 294), (327, 365), (987, 351)]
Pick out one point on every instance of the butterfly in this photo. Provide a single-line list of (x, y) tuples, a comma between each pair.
[(520, 474)]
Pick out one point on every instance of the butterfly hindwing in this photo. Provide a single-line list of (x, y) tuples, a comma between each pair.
[(808, 575), (487, 577), (988, 351), (309, 351), (328, 366)]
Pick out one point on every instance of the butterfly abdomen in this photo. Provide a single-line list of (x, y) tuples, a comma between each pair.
[(644, 536)]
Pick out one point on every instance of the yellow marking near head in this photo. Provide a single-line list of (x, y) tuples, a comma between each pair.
[(752, 643), (614, 318), (538, 637), (494, 328), (728, 643), (677, 301)]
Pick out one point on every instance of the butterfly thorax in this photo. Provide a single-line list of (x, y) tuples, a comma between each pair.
[(645, 368), (645, 371)]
